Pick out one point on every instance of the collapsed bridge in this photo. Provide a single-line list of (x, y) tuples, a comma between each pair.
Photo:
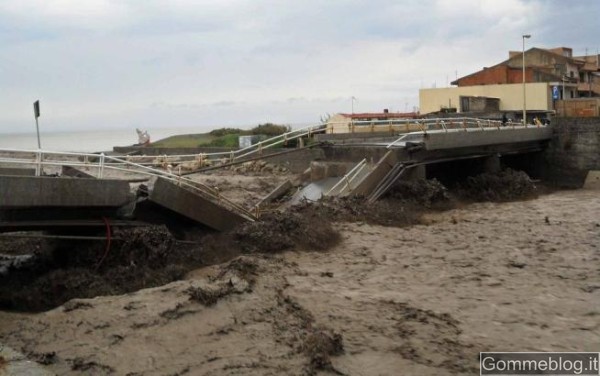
[(73, 199)]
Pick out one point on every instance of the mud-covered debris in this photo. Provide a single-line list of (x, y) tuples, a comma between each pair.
[(506, 185), (73, 305), (44, 358), (278, 232), (137, 258), (82, 365), (320, 345), (244, 267), (204, 296), (179, 311), (236, 277), (388, 212), (425, 193)]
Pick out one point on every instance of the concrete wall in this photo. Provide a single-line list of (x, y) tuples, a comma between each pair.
[(298, 161), (573, 151), (588, 107), (539, 96), (25, 191)]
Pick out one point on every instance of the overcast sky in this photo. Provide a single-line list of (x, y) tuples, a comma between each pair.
[(192, 63)]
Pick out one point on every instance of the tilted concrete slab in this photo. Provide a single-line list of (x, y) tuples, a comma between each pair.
[(592, 181), (43, 191), (193, 206), (371, 180), (314, 191), (276, 193)]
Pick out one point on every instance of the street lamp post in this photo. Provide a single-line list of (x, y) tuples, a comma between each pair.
[(525, 36)]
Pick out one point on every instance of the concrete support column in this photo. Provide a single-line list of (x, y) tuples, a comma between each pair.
[(492, 164), (415, 173)]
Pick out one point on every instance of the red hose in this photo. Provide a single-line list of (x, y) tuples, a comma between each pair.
[(108, 238)]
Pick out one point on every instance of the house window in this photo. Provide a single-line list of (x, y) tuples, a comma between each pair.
[(572, 74), (464, 104)]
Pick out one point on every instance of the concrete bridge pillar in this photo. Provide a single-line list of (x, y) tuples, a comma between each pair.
[(491, 164), (416, 173)]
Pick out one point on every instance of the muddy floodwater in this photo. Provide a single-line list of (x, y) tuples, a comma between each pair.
[(420, 300)]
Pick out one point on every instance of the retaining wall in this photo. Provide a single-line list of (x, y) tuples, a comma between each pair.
[(573, 151)]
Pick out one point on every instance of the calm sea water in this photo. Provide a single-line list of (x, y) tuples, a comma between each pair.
[(95, 141)]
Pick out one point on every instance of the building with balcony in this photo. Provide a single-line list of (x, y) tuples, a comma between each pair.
[(551, 75)]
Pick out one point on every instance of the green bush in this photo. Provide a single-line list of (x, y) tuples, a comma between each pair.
[(228, 140), (225, 131), (270, 129)]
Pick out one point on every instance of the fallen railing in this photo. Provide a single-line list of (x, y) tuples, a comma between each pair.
[(102, 162)]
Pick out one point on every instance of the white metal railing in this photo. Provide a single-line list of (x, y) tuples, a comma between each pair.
[(348, 178), (233, 155), (72, 159), (457, 125)]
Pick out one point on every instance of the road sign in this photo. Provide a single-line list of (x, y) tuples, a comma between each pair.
[(555, 94), (36, 112), (36, 109)]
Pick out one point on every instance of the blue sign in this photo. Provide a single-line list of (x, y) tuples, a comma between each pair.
[(555, 94)]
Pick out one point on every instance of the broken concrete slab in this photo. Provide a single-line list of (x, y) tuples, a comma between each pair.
[(592, 181), (75, 173), (276, 193), (195, 206)]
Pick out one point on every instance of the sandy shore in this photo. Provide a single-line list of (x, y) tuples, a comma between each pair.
[(424, 300)]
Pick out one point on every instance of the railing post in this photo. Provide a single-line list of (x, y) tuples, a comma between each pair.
[(101, 169), (38, 166)]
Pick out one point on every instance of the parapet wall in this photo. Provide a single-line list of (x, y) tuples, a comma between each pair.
[(573, 151)]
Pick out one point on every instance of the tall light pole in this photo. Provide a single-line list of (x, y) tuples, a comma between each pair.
[(525, 36)]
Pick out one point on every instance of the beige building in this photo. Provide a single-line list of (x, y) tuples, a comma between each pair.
[(371, 122), (539, 97), (550, 75)]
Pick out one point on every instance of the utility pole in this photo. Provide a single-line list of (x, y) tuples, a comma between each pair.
[(525, 36)]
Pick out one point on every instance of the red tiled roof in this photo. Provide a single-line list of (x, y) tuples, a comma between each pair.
[(382, 115)]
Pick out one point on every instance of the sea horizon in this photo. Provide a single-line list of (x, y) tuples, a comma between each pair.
[(85, 141), (97, 140)]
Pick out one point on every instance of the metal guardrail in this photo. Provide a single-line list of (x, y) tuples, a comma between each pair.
[(457, 125), (348, 178), (233, 155), (72, 159)]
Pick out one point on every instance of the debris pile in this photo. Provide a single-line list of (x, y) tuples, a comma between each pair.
[(427, 193), (134, 259), (278, 232), (260, 166), (507, 185)]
